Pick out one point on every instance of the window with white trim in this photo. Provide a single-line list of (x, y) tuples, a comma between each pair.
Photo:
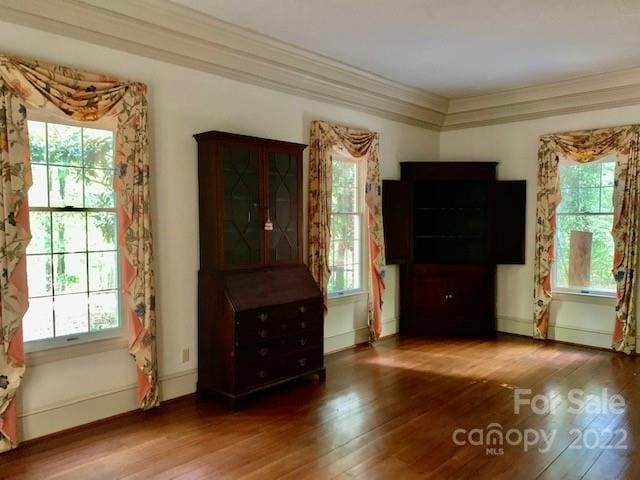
[(584, 245), (346, 250), (72, 259)]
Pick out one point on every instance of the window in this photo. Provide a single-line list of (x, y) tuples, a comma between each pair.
[(72, 260), (346, 254), (584, 245)]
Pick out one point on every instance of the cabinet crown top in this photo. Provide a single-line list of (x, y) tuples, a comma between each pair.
[(227, 136)]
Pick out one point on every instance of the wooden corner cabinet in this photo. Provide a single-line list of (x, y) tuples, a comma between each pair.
[(448, 224), (260, 314)]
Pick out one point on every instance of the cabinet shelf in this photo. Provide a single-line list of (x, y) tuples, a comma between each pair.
[(465, 237)]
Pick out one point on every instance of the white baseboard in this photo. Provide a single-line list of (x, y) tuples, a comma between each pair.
[(81, 410), (562, 333), (341, 341)]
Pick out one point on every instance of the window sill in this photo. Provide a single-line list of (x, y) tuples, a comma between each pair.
[(353, 296), (72, 351), (591, 298)]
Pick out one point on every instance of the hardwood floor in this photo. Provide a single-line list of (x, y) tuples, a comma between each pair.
[(384, 412)]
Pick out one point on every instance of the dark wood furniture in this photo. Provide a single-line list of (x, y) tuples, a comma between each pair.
[(260, 316), (448, 224)]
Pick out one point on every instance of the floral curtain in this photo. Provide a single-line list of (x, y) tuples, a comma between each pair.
[(14, 238), (583, 147), (85, 97), (327, 138)]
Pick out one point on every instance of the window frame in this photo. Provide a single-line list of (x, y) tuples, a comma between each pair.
[(110, 336), (568, 291), (361, 210)]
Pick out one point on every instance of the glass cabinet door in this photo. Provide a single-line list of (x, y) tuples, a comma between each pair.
[(242, 222), (283, 206)]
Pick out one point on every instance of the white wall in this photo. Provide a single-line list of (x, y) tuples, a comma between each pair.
[(183, 102), (515, 146)]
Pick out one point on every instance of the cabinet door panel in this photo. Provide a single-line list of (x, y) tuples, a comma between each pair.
[(283, 204), (507, 220), (396, 216), (242, 222)]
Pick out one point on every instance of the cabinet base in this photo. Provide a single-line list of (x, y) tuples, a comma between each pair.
[(238, 401)]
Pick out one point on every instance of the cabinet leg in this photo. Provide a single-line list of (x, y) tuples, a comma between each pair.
[(322, 375)]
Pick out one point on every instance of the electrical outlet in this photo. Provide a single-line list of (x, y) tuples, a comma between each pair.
[(185, 355)]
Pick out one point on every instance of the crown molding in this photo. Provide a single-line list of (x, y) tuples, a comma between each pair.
[(593, 92), (175, 34)]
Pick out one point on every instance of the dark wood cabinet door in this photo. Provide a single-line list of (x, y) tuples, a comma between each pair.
[(283, 206), (507, 220), (396, 215), (242, 218)]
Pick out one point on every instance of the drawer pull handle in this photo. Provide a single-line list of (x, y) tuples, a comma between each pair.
[(263, 316), (302, 341), (303, 324), (263, 352), (302, 309), (262, 373), (302, 362), (262, 333)]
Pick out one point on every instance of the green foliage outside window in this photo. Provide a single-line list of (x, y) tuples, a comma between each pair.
[(344, 260)]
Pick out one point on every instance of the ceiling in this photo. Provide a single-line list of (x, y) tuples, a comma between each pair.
[(454, 48)]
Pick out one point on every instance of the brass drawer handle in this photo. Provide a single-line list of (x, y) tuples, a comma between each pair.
[(302, 341), (262, 333), (262, 373), (303, 324), (302, 309), (263, 316), (302, 362), (263, 352)]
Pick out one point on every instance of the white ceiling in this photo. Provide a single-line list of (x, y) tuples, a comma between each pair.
[(453, 48)]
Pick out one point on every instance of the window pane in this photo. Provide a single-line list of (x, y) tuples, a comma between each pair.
[(37, 141), (69, 232), (589, 199), (344, 199), (608, 173), (103, 307), (590, 174), (599, 258), (40, 233), (39, 190), (606, 202), (38, 321), (345, 226), (98, 188), (65, 145), (39, 275), (98, 148), (344, 173), (65, 186), (102, 230), (70, 273), (71, 314), (569, 175), (102, 271)]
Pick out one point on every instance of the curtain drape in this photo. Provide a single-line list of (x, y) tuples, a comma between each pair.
[(327, 138), (583, 147), (85, 97), (14, 238)]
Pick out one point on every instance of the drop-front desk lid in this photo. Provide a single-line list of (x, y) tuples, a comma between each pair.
[(249, 289)]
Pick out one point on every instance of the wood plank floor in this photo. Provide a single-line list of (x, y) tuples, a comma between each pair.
[(384, 412)]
